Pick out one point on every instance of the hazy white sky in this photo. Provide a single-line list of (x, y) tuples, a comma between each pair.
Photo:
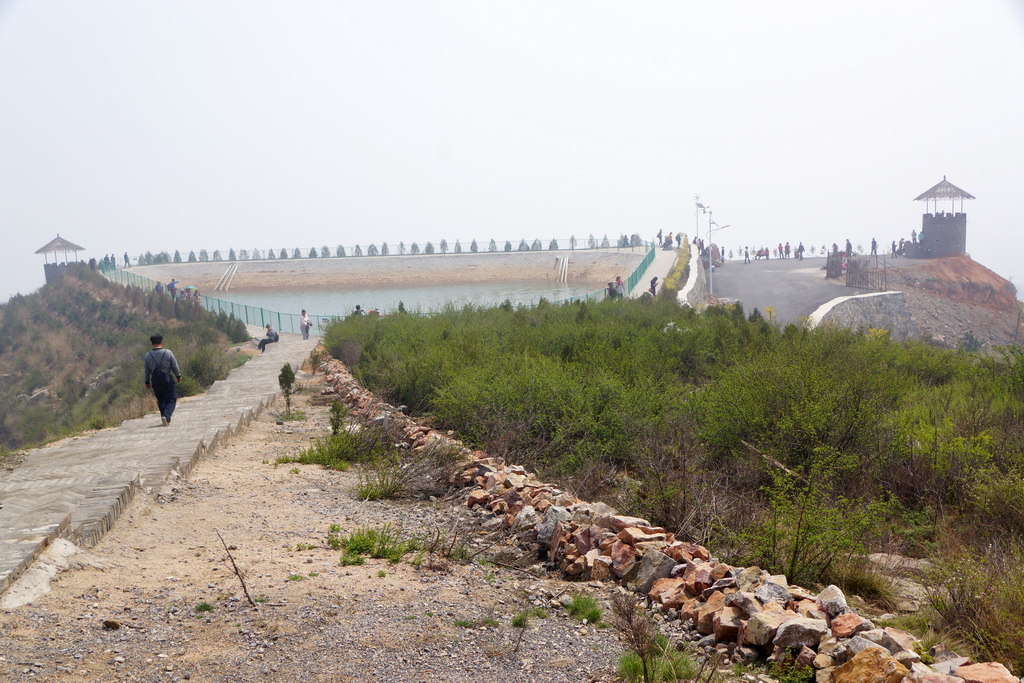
[(135, 126)]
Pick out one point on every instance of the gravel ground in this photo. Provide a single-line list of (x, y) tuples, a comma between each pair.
[(127, 609)]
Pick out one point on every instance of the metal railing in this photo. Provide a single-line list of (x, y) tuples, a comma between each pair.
[(250, 315), (289, 322)]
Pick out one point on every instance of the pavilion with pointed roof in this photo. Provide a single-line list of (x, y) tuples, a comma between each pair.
[(942, 233), (58, 245)]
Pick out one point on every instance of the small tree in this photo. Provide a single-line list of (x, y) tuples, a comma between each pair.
[(572, 241), (231, 254), (443, 246), (473, 247), (325, 251), (508, 246), (401, 248), (313, 252), (256, 256), (203, 256), (493, 246), (357, 251), (605, 243), (414, 249), (243, 254), (271, 254), (372, 250), (523, 246), (383, 248), (283, 254), (286, 379), (340, 251), (430, 248), (177, 256), (536, 246), (553, 246), (191, 257), (216, 255), (337, 417), (296, 253)]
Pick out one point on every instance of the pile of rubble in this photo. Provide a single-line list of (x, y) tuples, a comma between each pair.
[(746, 613)]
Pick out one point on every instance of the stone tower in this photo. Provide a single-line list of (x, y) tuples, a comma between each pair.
[(942, 233)]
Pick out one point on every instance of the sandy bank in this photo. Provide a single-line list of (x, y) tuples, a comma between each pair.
[(585, 266)]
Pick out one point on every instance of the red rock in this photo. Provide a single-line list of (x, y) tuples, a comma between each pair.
[(600, 568), (623, 558), (806, 656), (988, 672), (846, 625), (690, 609), (477, 497), (727, 623), (706, 614), (719, 571), (676, 598), (698, 551), (677, 552), (634, 535), (662, 586), (620, 522)]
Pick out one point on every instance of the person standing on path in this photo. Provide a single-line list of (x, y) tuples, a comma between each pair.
[(162, 373), (304, 324)]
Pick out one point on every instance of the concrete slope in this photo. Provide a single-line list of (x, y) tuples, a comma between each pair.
[(78, 489)]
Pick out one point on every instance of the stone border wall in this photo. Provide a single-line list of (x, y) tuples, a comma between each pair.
[(744, 612)]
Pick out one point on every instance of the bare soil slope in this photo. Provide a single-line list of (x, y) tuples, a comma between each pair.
[(953, 296)]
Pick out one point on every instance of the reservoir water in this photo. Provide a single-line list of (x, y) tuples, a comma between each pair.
[(338, 302)]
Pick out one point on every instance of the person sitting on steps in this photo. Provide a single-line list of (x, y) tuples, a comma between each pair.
[(271, 337)]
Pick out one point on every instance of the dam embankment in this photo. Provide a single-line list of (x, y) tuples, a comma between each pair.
[(356, 272)]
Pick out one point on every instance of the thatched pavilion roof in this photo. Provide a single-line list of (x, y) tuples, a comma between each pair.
[(944, 190), (58, 244)]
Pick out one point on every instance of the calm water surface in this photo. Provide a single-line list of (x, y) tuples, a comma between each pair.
[(334, 302)]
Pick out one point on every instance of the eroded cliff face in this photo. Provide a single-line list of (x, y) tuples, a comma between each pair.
[(955, 300), (961, 280)]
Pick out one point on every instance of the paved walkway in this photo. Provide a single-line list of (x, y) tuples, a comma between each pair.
[(78, 489), (664, 261)]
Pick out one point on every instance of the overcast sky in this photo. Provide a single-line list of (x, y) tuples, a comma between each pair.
[(135, 126)]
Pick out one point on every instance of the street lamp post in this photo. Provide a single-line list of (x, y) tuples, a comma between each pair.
[(696, 215)]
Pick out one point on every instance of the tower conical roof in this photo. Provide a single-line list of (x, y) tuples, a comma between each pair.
[(944, 190), (58, 244)]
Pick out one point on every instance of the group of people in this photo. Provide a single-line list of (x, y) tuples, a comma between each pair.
[(189, 293), (783, 251), (617, 289), (108, 262), (669, 241)]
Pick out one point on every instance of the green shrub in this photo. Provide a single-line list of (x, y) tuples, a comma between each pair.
[(979, 598), (584, 607)]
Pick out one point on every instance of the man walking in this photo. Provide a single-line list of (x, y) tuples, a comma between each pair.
[(161, 374)]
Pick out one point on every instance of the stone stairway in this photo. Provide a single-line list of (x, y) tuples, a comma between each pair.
[(78, 489)]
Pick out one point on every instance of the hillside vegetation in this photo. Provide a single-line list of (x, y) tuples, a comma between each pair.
[(798, 450), (71, 355)]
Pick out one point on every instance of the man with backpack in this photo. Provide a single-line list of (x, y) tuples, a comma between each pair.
[(271, 337), (161, 374)]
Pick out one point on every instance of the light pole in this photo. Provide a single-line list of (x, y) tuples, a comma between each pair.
[(711, 254), (696, 214)]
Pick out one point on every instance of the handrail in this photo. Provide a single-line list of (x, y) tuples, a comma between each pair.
[(289, 322)]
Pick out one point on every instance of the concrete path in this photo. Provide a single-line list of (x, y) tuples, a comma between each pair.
[(78, 489), (661, 266)]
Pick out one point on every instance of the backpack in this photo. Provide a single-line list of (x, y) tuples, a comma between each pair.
[(161, 376), (274, 336)]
